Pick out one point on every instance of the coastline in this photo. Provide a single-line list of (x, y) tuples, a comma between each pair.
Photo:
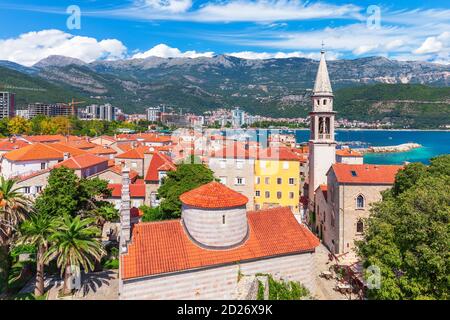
[(355, 129)]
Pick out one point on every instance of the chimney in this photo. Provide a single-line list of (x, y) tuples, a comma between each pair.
[(66, 155), (125, 206)]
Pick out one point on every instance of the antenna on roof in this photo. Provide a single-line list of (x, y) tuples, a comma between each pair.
[(323, 47)]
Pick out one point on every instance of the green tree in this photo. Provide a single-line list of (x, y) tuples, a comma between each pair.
[(19, 125), (37, 230), (67, 194), (188, 176), (408, 235), (14, 207), (75, 243)]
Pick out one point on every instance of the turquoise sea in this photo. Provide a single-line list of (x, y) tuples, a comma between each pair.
[(434, 143)]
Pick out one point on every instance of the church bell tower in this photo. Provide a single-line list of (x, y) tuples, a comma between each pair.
[(322, 146)]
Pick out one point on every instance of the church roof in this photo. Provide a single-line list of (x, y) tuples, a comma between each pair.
[(213, 195), (164, 247), (322, 84), (365, 173)]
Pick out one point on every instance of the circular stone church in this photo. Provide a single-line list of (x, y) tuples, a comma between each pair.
[(201, 255)]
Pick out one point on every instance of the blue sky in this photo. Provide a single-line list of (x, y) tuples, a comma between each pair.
[(254, 29)]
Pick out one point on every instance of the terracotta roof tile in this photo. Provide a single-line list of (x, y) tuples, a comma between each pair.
[(213, 195), (38, 151), (8, 145), (348, 153), (365, 173), (82, 161), (163, 247), (136, 190), (159, 162), (102, 150), (136, 153)]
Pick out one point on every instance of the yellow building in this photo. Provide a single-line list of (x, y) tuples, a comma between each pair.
[(277, 179)]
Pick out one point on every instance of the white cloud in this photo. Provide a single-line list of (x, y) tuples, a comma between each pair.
[(172, 6), (435, 44), (252, 55), (164, 51), (272, 10), (234, 10), (430, 45), (31, 47)]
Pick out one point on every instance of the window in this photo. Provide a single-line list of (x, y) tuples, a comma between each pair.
[(285, 165), (42, 165), (324, 101), (257, 193), (267, 194), (359, 226), (38, 189), (134, 164), (291, 181), (257, 180), (354, 174), (267, 180), (279, 181), (223, 219), (240, 181), (26, 190), (257, 206), (291, 195), (360, 202), (279, 195), (223, 180)]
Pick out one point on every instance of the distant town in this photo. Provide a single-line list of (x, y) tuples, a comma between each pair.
[(167, 115)]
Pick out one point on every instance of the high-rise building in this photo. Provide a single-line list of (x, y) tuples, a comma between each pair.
[(322, 146), (154, 114), (238, 117), (7, 105), (98, 112), (49, 110)]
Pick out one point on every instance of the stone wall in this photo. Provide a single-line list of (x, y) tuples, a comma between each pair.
[(219, 282), (216, 228)]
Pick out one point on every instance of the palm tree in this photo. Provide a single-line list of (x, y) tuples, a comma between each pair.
[(75, 243), (36, 230), (14, 207)]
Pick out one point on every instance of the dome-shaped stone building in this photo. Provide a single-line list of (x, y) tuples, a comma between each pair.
[(215, 216)]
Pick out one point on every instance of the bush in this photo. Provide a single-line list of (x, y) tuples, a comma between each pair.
[(111, 264)]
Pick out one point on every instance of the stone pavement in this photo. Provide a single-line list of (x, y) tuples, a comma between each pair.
[(95, 286), (325, 288)]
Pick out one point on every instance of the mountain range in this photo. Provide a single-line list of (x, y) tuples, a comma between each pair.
[(374, 88)]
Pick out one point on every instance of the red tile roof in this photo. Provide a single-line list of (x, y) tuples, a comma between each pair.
[(365, 173), (278, 153), (38, 151), (82, 161), (348, 153), (213, 195), (163, 247), (136, 153), (45, 138), (12, 144), (102, 150), (62, 147), (159, 162), (136, 190)]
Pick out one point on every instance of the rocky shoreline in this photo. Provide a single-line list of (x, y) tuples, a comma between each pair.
[(390, 149)]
